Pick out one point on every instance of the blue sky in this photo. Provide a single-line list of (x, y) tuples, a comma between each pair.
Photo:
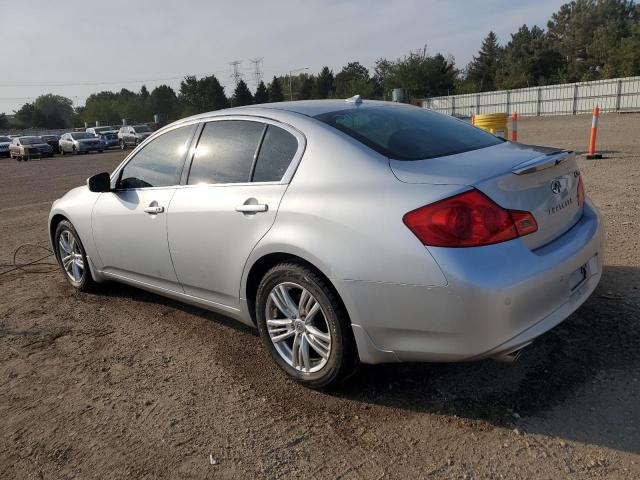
[(74, 48)]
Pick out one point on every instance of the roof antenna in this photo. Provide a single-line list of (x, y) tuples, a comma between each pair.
[(355, 99)]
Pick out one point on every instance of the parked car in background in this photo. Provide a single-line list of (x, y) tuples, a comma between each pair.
[(80, 142), (28, 147), (130, 136), (107, 134), (273, 214), (4, 146), (53, 141)]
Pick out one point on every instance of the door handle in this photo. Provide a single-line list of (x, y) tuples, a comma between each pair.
[(154, 210), (252, 208)]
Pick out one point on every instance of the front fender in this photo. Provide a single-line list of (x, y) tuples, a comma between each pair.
[(76, 206)]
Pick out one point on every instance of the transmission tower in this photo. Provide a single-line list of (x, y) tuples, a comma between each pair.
[(236, 75), (257, 69)]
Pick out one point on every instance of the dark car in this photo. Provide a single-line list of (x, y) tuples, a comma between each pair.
[(4, 145), (107, 134), (53, 141), (28, 147)]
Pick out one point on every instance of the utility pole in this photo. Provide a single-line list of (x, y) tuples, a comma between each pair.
[(290, 72), (257, 71)]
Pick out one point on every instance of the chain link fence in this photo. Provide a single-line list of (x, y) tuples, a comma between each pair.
[(614, 95)]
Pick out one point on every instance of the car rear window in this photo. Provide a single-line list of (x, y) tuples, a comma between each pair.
[(408, 133)]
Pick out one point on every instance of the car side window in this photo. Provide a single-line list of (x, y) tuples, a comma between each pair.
[(225, 152), (276, 152), (159, 163)]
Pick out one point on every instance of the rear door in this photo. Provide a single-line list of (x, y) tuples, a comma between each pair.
[(238, 175)]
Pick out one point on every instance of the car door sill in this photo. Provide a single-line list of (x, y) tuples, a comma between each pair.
[(181, 296)]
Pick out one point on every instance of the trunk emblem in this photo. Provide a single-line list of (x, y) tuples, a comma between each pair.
[(556, 186)]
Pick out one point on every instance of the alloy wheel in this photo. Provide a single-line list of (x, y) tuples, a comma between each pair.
[(297, 327), (71, 256)]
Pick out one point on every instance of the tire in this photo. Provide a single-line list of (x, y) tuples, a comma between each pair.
[(330, 321), (82, 282)]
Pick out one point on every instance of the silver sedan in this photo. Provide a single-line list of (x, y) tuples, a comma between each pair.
[(345, 231), (80, 142)]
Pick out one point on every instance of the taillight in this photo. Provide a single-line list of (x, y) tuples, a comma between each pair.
[(580, 191), (470, 219)]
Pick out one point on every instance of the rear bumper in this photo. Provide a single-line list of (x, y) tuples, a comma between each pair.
[(497, 298)]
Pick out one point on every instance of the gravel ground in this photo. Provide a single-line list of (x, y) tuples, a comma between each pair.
[(126, 384)]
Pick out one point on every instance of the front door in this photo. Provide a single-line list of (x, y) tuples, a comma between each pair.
[(130, 223)]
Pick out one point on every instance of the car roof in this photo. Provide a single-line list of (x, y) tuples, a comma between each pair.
[(308, 108), (312, 108)]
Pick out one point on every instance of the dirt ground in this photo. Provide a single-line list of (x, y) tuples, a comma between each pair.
[(126, 384)]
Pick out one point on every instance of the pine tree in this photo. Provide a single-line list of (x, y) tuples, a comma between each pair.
[(481, 72), (306, 89), (262, 94), (275, 91), (242, 95), (324, 83)]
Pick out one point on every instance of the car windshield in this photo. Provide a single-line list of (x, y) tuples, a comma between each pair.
[(4, 139), (49, 137), (30, 140), (141, 129), (408, 133), (81, 135), (102, 129)]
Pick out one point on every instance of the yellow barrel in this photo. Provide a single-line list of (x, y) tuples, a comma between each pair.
[(495, 123)]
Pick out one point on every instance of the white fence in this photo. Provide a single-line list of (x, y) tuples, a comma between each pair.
[(614, 95)]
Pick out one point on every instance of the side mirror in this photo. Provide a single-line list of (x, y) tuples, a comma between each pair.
[(100, 182)]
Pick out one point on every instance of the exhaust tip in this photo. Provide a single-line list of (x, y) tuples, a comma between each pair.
[(512, 356)]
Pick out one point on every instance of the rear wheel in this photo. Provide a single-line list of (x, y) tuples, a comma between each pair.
[(72, 257), (304, 326)]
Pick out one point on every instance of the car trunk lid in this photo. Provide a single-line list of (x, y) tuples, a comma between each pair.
[(540, 180)]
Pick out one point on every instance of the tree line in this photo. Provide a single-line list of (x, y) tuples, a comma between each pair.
[(584, 40)]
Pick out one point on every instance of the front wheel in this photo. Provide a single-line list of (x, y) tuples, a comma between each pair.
[(304, 326), (72, 257)]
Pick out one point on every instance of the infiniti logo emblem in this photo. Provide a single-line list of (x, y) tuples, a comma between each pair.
[(556, 187)]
